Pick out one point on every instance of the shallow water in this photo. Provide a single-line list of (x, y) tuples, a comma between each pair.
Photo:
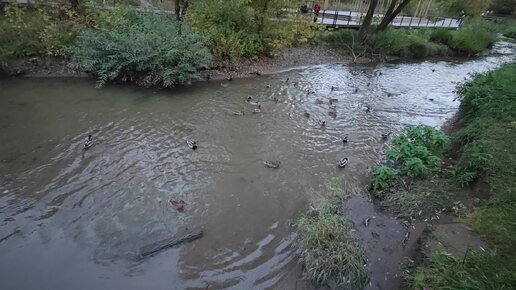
[(75, 219)]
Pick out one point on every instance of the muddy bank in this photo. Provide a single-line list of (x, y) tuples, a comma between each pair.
[(299, 56), (288, 58), (40, 67)]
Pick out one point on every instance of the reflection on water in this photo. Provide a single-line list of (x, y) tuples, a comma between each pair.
[(75, 219)]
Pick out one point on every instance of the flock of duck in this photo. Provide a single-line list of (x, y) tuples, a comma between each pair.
[(192, 144)]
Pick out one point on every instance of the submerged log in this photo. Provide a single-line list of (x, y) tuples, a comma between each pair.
[(170, 242)]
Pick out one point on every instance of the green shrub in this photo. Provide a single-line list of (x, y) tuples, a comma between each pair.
[(37, 31), (382, 176), (474, 162), (151, 49), (441, 35), (415, 149), (330, 252), (405, 43), (473, 38)]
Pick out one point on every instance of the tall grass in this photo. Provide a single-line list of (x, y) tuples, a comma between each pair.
[(330, 252)]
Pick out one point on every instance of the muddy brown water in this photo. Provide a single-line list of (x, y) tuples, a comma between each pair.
[(75, 219)]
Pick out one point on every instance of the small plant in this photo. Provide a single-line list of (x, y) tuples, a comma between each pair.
[(382, 176)]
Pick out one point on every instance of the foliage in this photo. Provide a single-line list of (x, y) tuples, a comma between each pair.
[(149, 48), (246, 28), (330, 251), (471, 7), (506, 7), (477, 270), (37, 31), (473, 38), (382, 176), (415, 149)]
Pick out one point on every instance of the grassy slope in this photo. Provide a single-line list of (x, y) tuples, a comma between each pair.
[(488, 114)]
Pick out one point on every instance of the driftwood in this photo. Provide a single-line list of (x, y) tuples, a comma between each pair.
[(170, 242)]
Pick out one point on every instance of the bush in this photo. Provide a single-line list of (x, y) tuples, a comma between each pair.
[(37, 31), (405, 43), (382, 176), (150, 48), (473, 38), (415, 149), (330, 251), (441, 35)]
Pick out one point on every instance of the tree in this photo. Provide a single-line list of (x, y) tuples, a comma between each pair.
[(394, 9), (364, 29)]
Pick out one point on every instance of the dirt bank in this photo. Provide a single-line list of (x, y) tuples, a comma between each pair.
[(299, 56)]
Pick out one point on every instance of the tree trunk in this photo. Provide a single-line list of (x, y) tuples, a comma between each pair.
[(388, 18), (364, 29), (177, 10)]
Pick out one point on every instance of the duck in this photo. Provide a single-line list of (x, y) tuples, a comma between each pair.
[(345, 139), (178, 205), (268, 86), (238, 113), (431, 99), (255, 111), (332, 88), (368, 109), (208, 77), (88, 143), (272, 164), (254, 103), (433, 70), (229, 77), (368, 84), (287, 80), (343, 162), (307, 114), (322, 123), (332, 113), (355, 90), (386, 135), (390, 95), (249, 98), (192, 144)]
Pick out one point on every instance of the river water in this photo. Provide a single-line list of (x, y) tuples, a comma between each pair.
[(75, 219)]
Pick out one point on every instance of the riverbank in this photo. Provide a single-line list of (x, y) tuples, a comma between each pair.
[(453, 192), (287, 58)]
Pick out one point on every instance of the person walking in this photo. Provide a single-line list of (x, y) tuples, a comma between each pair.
[(317, 8)]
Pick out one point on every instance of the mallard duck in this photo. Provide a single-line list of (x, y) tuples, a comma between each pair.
[(355, 90), (178, 205), (433, 70), (192, 144), (287, 80), (254, 103), (322, 123), (343, 162), (390, 95), (332, 88), (367, 109), (249, 98), (307, 114), (229, 77), (88, 143), (334, 100), (238, 113), (386, 135), (368, 84), (332, 113), (268, 86), (272, 164), (333, 107), (255, 111), (431, 99), (345, 139)]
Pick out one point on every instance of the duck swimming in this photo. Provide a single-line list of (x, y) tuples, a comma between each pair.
[(368, 109), (249, 98), (386, 135), (345, 139), (254, 103), (343, 162), (192, 144), (255, 111), (322, 123), (88, 143), (238, 113), (229, 77), (268, 86), (178, 205), (272, 164)]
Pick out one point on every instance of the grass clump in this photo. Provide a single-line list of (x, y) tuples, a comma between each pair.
[(330, 252), (476, 270), (151, 49)]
